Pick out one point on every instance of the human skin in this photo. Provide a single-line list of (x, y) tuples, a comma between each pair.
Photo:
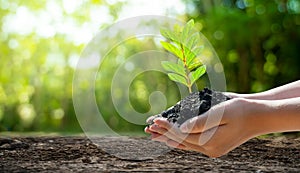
[(290, 90), (242, 118)]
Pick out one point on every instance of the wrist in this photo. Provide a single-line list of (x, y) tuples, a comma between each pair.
[(261, 116), (272, 116)]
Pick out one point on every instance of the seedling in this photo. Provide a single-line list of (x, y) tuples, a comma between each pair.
[(183, 42)]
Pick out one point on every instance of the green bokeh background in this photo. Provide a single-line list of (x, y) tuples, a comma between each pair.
[(258, 42)]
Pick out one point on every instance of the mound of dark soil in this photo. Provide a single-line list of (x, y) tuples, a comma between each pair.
[(193, 105)]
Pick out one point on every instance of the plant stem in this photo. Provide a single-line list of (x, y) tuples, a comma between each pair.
[(187, 71), (189, 83)]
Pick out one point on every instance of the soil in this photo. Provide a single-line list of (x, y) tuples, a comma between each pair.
[(193, 105), (80, 154)]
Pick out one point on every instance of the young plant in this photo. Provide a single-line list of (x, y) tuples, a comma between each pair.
[(183, 42)]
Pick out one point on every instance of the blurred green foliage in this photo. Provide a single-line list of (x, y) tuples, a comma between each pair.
[(257, 41), (40, 45)]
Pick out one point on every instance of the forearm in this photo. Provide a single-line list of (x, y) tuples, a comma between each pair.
[(275, 115), (287, 91)]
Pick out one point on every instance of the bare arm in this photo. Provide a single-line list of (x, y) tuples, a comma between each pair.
[(290, 90), (281, 115)]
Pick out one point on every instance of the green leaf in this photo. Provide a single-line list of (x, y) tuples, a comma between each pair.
[(177, 29), (173, 67), (177, 78), (195, 64), (190, 24), (168, 34), (186, 30), (195, 75), (190, 56), (197, 50), (173, 49), (180, 62), (193, 41), (184, 45)]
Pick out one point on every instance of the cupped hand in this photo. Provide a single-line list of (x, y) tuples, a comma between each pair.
[(214, 133)]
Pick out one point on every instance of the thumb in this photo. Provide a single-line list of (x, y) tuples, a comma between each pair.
[(206, 121), (194, 125)]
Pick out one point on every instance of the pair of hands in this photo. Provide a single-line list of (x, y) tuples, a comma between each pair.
[(231, 123), (214, 133)]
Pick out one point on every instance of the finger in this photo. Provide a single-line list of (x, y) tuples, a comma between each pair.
[(210, 142), (175, 135), (208, 120), (155, 133), (214, 145), (175, 144), (147, 130), (165, 139), (181, 144), (178, 137), (164, 123), (159, 137), (157, 129), (217, 142), (186, 146), (151, 119), (169, 142), (166, 126), (174, 131)]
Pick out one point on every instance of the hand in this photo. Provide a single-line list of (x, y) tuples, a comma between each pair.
[(233, 95), (231, 123), (214, 133)]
